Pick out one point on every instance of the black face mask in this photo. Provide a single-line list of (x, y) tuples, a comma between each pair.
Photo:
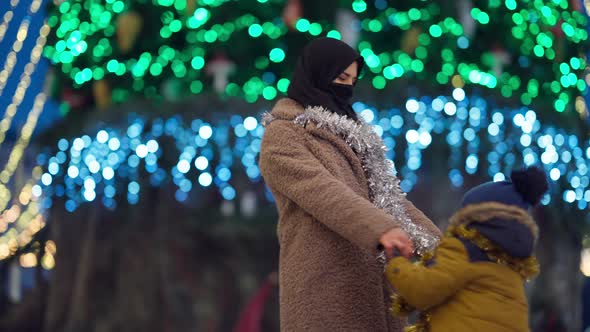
[(320, 63), (342, 91)]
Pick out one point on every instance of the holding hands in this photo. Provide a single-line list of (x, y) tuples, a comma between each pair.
[(397, 239)]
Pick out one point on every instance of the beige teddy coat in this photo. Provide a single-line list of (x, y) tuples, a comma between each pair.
[(328, 230)]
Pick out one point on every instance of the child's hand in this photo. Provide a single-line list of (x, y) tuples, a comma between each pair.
[(397, 239)]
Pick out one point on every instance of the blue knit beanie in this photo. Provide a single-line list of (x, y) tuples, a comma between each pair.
[(525, 189)]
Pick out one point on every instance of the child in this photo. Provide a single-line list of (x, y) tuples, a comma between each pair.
[(474, 280)]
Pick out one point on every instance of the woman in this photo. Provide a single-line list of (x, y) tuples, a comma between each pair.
[(338, 200)]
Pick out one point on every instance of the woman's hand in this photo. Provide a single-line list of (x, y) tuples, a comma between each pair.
[(397, 239)]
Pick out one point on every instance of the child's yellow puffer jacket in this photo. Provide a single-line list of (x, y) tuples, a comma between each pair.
[(462, 296), (475, 280)]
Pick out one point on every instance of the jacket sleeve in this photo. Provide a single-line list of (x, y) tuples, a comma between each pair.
[(426, 286), (419, 218), (290, 169)]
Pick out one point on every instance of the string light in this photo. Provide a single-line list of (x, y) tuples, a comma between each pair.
[(21, 35), (10, 215), (26, 225), (14, 218), (7, 18), (11, 59), (85, 170), (5, 22), (21, 144), (30, 221), (435, 45), (28, 260), (35, 5), (24, 82)]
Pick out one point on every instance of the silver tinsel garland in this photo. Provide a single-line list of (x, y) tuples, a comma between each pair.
[(385, 192)]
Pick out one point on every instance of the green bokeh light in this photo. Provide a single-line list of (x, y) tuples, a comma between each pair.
[(510, 4), (435, 31), (564, 68), (277, 55), (334, 34), (417, 66), (118, 7), (255, 30), (560, 105), (232, 89), (269, 93), (283, 85), (372, 61), (575, 63), (414, 14), (359, 6), (315, 29), (156, 69), (379, 82), (198, 62), (302, 25), (261, 63), (375, 26)]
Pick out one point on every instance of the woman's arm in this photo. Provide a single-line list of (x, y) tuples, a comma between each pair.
[(426, 286), (419, 218), (290, 169)]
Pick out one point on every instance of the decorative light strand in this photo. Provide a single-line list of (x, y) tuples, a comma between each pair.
[(22, 143), (5, 22), (483, 138), (21, 35), (15, 218), (29, 223), (11, 59), (35, 5), (434, 45), (24, 83)]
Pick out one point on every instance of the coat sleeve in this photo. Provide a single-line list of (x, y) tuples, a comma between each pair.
[(426, 286), (290, 169), (419, 218)]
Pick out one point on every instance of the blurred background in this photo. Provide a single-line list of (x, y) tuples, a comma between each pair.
[(130, 196)]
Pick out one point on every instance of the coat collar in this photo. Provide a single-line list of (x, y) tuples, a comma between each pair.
[(384, 186), (285, 109)]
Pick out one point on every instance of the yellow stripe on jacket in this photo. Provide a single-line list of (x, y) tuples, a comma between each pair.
[(461, 295)]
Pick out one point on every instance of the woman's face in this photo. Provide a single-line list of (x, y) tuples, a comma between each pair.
[(349, 76)]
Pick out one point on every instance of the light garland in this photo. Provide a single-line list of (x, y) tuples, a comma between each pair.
[(24, 139), (21, 35), (24, 83), (9, 227), (25, 197), (10, 62), (20, 146), (35, 5), (443, 50), (23, 219), (482, 139), (5, 22)]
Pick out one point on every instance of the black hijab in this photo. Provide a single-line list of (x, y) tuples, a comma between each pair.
[(321, 62)]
